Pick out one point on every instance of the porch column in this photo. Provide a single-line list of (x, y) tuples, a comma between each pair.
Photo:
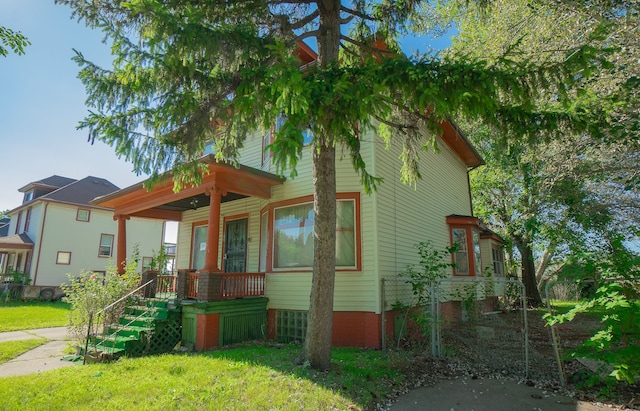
[(213, 230), (121, 250)]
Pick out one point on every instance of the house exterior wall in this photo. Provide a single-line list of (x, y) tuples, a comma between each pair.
[(393, 220), (62, 232), (407, 215)]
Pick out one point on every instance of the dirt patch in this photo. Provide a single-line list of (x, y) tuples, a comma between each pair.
[(492, 347)]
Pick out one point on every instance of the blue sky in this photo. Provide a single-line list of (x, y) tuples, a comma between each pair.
[(42, 101)]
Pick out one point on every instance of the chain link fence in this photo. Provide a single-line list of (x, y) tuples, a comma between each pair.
[(479, 321)]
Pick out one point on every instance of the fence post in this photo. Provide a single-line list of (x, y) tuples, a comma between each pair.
[(432, 313), (383, 312)]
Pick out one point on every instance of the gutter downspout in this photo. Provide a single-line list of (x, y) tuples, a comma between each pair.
[(40, 238), (469, 188)]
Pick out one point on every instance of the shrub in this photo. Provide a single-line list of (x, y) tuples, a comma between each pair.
[(616, 299), (91, 292)]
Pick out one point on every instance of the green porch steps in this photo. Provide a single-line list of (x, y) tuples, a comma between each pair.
[(153, 328)]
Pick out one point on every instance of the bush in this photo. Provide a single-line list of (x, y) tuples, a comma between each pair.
[(92, 292), (616, 299)]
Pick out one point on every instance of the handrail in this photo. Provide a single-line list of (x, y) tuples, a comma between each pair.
[(92, 316)]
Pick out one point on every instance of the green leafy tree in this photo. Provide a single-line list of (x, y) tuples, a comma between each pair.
[(182, 66), (12, 41), (548, 197)]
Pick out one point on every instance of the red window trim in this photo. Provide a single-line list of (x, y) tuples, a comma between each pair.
[(469, 224), (269, 210), (224, 228), (193, 237)]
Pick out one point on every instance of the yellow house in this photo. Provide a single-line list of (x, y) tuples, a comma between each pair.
[(245, 232)]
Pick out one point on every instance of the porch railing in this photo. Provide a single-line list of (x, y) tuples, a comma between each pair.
[(234, 285), (240, 285), (192, 289)]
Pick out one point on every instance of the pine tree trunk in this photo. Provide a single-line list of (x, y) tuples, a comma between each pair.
[(317, 347), (529, 274), (320, 318)]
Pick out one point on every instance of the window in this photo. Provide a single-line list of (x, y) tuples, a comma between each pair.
[(146, 263), (106, 245), (27, 220), (28, 197), (63, 257), (269, 136), (199, 245), (18, 223), (476, 252), (293, 235), (264, 240), (466, 235), (461, 256), (498, 261), (83, 215)]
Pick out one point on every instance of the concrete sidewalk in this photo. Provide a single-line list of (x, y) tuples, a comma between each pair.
[(465, 394), (45, 357)]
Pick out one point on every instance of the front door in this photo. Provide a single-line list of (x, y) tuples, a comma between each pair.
[(235, 246)]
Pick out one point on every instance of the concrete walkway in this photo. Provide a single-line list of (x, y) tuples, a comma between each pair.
[(465, 394), (45, 357)]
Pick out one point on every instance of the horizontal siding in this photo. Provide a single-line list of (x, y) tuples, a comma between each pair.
[(407, 215), (84, 243)]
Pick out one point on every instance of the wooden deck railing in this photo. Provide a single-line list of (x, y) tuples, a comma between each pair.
[(166, 283), (234, 285), (240, 285), (192, 290)]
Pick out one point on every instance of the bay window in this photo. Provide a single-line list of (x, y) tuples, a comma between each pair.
[(465, 235)]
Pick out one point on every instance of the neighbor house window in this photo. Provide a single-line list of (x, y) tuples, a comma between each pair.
[(293, 238), (106, 245), (465, 235), (63, 257), (146, 263), (18, 222), (83, 215), (28, 197), (27, 220)]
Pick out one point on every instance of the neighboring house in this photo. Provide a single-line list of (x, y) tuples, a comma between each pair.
[(56, 231), (4, 226), (248, 220)]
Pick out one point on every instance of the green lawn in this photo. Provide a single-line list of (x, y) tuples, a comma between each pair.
[(26, 315), (11, 349), (252, 377)]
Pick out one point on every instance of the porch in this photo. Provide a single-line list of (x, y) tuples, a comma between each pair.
[(191, 285), (216, 308)]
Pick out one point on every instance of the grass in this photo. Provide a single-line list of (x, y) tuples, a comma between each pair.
[(250, 377), (27, 315), (11, 349)]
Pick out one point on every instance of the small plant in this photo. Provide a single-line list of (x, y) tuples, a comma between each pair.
[(91, 292), (16, 277), (434, 264), (159, 261)]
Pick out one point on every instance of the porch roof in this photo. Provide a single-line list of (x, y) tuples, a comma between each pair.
[(16, 242), (162, 202)]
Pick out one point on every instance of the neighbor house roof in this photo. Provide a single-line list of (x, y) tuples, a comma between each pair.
[(54, 181), (17, 241), (79, 192)]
